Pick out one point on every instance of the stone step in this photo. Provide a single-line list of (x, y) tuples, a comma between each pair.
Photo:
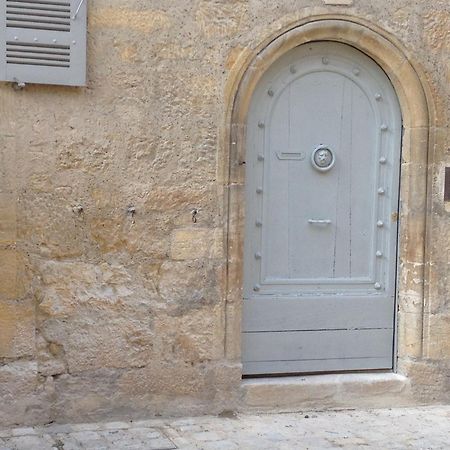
[(333, 391)]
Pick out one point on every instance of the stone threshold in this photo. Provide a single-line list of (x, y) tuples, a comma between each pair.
[(331, 391)]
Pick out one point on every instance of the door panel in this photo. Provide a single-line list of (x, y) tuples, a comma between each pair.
[(320, 246), (310, 345), (316, 365), (340, 250), (322, 313)]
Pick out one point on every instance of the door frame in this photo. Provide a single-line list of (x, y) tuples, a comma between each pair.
[(417, 113)]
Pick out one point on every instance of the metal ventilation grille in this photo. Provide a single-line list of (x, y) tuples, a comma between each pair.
[(38, 54), (43, 41), (51, 15)]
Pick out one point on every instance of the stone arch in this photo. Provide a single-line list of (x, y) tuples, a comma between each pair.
[(417, 113)]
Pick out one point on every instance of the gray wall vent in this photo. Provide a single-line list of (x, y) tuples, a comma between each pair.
[(43, 41)]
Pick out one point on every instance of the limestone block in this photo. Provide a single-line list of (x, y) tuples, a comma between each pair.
[(177, 52), (195, 243), (410, 300), (409, 330), (193, 337), (17, 329), (7, 219), (107, 233), (233, 331), (414, 228), (429, 379), (160, 388), (13, 278), (51, 367), (287, 394), (438, 283), (338, 2), (210, 387), (96, 342), (220, 19), (440, 142), (50, 357), (68, 287), (8, 271), (109, 310), (414, 139), (17, 379), (142, 21), (175, 198), (437, 332), (405, 19), (436, 29), (50, 226), (87, 396), (165, 378), (85, 276), (325, 391), (189, 285), (24, 397)]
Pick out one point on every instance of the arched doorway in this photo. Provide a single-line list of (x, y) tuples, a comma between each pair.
[(409, 87)]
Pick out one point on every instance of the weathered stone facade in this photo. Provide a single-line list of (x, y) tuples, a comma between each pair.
[(120, 207)]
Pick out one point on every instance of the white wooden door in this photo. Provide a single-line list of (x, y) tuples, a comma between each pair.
[(322, 181)]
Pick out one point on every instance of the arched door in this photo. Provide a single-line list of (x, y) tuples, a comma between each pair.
[(322, 182)]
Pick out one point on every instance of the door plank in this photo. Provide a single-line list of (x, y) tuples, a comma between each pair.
[(332, 344), (275, 234), (316, 365), (275, 314)]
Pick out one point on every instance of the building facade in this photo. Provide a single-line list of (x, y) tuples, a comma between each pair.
[(124, 216)]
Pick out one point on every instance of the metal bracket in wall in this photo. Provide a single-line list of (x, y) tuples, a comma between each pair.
[(447, 185)]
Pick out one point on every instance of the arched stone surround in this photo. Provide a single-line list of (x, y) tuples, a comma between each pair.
[(417, 114)]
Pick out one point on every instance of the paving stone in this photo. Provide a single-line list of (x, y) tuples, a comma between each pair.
[(27, 431), (181, 442), (412, 428), (3, 445), (117, 425), (189, 428), (207, 436), (66, 442), (90, 440), (55, 428), (152, 423), (122, 438), (221, 445), (159, 444), (146, 433), (29, 443), (86, 426)]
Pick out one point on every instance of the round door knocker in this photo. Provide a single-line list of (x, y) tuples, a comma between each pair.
[(323, 158)]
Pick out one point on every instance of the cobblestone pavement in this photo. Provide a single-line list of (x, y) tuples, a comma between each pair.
[(402, 428)]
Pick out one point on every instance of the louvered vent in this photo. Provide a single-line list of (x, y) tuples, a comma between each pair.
[(43, 41), (38, 15), (38, 55)]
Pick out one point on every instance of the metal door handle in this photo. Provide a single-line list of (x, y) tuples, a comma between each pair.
[(320, 221)]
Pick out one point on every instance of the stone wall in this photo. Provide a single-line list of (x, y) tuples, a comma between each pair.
[(113, 214)]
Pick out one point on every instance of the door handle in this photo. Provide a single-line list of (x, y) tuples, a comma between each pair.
[(320, 221)]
